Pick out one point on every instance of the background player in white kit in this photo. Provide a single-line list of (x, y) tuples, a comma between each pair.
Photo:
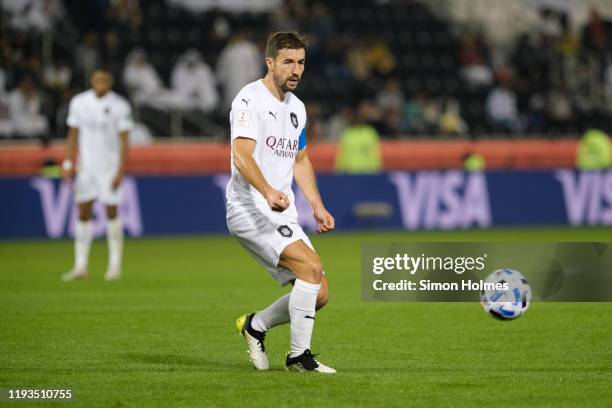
[(99, 121), (268, 151)]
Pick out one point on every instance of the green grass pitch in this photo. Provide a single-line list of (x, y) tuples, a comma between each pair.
[(164, 334)]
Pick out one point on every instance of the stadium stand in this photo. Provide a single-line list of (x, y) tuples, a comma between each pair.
[(358, 50)]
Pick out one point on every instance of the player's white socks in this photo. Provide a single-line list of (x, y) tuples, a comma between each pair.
[(274, 315), (83, 234), (114, 235), (302, 302)]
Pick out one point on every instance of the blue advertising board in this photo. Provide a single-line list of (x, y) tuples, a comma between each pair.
[(425, 200)]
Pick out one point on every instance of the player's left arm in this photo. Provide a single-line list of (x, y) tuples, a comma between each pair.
[(304, 176), (125, 124), (123, 146)]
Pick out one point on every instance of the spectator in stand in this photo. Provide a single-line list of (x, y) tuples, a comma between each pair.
[(451, 122), (530, 65), (6, 124), (560, 110), (144, 84), (413, 120), (431, 114), (474, 162), (33, 15), (608, 81), (140, 77), (371, 57), (239, 64), (314, 124), (125, 15), (473, 59), (25, 109), (594, 151), (536, 114), (501, 105), (57, 75), (281, 19), (391, 100), (337, 123), (194, 83), (370, 113), (569, 43), (391, 124), (595, 35), (596, 44), (359, 147), (391, 96)]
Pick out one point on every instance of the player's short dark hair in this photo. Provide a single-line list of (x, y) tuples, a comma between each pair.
[(103, 68), (284, 39)]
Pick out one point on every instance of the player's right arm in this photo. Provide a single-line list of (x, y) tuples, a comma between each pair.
[(244, 119), (72, 141), (243, 160), (68, 165)]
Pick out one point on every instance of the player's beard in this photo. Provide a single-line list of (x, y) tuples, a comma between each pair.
[(283, 85)]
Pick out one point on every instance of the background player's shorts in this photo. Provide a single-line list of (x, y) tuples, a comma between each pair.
[(90, 186), (265, 235)]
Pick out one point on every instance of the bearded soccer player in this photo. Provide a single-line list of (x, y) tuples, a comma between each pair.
[(99, 121), (268, 151)]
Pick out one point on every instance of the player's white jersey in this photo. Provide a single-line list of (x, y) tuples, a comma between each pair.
[(279, 130), (99, 120)]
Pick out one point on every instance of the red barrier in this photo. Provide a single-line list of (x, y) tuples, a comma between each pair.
[(209, 158)]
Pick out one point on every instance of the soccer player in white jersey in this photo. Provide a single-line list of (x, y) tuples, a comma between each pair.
[(268, 151), (99, 121)]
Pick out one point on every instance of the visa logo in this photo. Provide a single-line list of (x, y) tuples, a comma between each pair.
[(442, 199), (60, 212), (587, 196)]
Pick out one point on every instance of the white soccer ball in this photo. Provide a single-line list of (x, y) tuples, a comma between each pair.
[(506, 304)]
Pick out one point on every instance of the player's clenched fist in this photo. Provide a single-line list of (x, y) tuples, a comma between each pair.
[(276, 200), (68, 171), (325, 221)]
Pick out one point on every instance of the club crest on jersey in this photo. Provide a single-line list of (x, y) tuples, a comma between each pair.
[(294, 120), (285, 231)]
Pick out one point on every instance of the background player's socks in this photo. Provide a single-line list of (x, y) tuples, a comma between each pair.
[(302, 303), (274, 315), (83, 234), (114, 235)]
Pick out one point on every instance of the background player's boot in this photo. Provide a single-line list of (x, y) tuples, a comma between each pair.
[(255, 342), (112, 274), (306, 362), (74, 274)]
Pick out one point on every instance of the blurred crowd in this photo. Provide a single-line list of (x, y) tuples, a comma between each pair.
[(364, 66), (553, 78)]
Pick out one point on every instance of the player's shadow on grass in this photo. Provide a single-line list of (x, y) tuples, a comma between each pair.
[(178, 360)]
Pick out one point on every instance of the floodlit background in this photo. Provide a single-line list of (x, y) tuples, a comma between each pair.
[(439, 68), (429, 121)]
